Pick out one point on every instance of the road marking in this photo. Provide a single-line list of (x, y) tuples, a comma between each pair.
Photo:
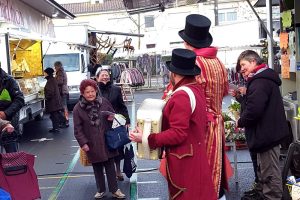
[(46, 188), (56, 191), (147, 182), (41, 140), (59, 177)]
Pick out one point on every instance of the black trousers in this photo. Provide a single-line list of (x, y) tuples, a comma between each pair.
[(11, 147), (55, 118), (254, 162), (110, 175)]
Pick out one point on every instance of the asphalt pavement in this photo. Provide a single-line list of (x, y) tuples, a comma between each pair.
[(62, 177)]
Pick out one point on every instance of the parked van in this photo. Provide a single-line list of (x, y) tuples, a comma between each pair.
[(73, 51)]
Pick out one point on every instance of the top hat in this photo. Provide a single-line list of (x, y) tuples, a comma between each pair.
[(183, 63), (196, 31), (49, 71)]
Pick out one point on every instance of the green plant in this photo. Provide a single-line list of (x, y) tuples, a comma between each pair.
[(234, 106), (232, 133), (226, 117)]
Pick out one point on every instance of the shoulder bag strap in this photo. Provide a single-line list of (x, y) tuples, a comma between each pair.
[(191, 96)]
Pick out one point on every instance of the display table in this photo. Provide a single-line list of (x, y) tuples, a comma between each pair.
[(232, 144)]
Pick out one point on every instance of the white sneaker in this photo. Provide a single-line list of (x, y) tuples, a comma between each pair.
[(99, 195), (119, 195)]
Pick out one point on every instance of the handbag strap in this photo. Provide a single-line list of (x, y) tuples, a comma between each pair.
[(118, 121)]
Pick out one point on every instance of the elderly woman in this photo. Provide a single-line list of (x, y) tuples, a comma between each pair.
[(91, 121), (114, 95)]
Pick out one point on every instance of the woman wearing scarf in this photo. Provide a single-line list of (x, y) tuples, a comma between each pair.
[(113, 94), (91, 121)]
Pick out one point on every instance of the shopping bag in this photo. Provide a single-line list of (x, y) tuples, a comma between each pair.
[(129, 166), (84, 160), (17, 176), (117, 137)]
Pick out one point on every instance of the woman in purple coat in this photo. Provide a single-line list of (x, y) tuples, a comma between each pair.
[(90, 125)]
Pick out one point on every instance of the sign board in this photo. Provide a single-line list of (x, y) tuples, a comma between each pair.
[(23, 16)]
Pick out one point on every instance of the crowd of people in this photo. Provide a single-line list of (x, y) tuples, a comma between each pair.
[(193, 146)]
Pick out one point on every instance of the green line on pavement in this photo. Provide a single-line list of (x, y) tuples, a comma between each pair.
[(133, 191), (63, 179)]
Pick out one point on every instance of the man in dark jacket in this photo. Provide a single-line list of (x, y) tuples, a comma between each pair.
[(53, 103), (11, 102), (265, 122)]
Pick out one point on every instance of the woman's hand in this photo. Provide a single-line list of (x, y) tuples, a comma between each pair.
[(242, 90), (85, 148), (8, 128), (136, 135), (232, 92)]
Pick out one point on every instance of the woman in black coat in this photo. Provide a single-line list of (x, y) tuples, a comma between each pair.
[(53, 103), (114, 95)]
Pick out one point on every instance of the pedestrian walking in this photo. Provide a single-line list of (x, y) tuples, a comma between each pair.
[(90, 125), (183, 133), (11, 102), (114, 95), (214, 80), (53, 103), (265, 124), (62, 82)]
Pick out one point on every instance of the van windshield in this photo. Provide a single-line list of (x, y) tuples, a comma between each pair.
[(70, 61)]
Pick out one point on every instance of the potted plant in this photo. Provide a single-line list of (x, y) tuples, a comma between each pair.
[(240, 139)]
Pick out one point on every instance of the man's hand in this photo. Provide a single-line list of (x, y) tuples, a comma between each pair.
[(2, 115), (8, 128), (236, 123), (136, 135), (85, 148)]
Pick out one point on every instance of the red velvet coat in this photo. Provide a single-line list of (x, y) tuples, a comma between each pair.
[(189, 176)]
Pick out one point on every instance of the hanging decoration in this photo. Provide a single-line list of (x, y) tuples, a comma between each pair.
[(285, 66)]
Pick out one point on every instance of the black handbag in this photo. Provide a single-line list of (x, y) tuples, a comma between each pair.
[(117, 137), (129, 166)]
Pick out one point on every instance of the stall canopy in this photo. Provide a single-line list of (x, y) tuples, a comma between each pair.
[(262, 3), (136, 4), (49, 8)]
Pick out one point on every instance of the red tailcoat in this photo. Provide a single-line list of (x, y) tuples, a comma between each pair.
[(183, 135)]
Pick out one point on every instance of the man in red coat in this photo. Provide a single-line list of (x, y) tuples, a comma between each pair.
[(184, 126)]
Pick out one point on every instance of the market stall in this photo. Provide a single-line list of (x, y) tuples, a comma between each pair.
[(24, 25)]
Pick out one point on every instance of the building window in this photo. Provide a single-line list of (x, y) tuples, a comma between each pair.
[(231, 16), (227, 16), (149, 21), (221, 17), (150, 46)]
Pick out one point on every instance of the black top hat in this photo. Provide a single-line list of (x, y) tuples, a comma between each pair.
[(49, 71), (183, 63), (196, 31)]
